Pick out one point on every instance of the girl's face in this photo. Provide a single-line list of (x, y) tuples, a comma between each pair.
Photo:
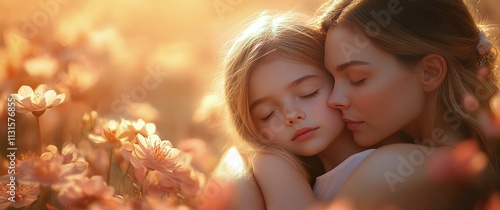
[(288, 105), (376, 93)]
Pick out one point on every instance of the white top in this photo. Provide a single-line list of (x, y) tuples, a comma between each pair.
[(328, 184)]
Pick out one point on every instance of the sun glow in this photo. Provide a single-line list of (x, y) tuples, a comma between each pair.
[(231, 165)]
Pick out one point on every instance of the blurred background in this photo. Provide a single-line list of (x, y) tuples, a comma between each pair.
[(154, 60)]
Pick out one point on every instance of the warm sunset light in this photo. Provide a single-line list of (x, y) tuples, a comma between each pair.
[(249, 104)]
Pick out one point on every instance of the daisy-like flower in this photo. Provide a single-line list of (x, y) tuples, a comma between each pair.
[(112, 132), (152, 153), (85, 192), (25, 194), (137, 127), (36, 101)]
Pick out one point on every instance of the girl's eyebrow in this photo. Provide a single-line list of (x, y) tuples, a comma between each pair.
[(346, 65), (295, 83)]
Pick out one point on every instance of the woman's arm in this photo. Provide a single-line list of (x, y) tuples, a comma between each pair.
[(282, 184)]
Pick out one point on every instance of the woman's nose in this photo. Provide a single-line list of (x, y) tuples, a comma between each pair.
[(338, 99)]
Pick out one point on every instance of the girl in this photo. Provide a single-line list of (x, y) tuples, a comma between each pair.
[(406, 66), (276, 90)]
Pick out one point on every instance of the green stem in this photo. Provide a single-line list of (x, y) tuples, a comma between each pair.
[(44, 198), (108, 173), (38, 135), (124, 174), (143, 179)]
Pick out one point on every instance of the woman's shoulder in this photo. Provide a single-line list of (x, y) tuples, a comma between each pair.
[(394, 173), (404, 149)]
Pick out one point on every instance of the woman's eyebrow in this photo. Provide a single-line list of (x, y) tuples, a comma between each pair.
[(346, 65)]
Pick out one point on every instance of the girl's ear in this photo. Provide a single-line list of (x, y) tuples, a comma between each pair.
[(433, 69)]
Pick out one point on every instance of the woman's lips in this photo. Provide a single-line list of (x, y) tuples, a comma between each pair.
[(352, 125)]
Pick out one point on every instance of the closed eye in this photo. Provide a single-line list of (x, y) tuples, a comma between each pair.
[(266, 118), (359, 82), (314, 94)]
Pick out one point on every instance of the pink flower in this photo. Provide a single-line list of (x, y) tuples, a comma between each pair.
[(152, 153), (189, 180), (38, 100), (156, 183), (85, 192), (69, 154), (25, 194), (51, 169)]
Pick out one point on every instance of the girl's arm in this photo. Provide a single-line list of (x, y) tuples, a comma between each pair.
[(282, 184)]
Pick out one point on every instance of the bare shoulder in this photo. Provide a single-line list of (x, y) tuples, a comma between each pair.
[(265, 161), (396, 174), (412, 153), (282, 183)]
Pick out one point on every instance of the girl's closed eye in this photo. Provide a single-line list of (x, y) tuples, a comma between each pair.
[(266, 118), (313, 94)]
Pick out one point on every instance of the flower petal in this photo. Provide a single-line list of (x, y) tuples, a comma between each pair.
[(49, 97), (41, 89), (25, 91), (59, 99), (17, 97)]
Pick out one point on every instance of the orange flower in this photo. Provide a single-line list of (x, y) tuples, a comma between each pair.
[(85, 192), (152, 153), (39, 100), (25, 194)]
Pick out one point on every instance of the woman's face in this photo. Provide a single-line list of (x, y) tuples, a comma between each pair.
[(288, 105), (376, 93)]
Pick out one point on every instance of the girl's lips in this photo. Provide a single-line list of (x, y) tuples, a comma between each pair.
[(303, 134)]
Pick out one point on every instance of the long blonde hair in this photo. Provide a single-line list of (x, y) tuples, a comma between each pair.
[(288, 35), (409, 30)]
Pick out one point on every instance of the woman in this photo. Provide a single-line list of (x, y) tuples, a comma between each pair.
[(407, 66)]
